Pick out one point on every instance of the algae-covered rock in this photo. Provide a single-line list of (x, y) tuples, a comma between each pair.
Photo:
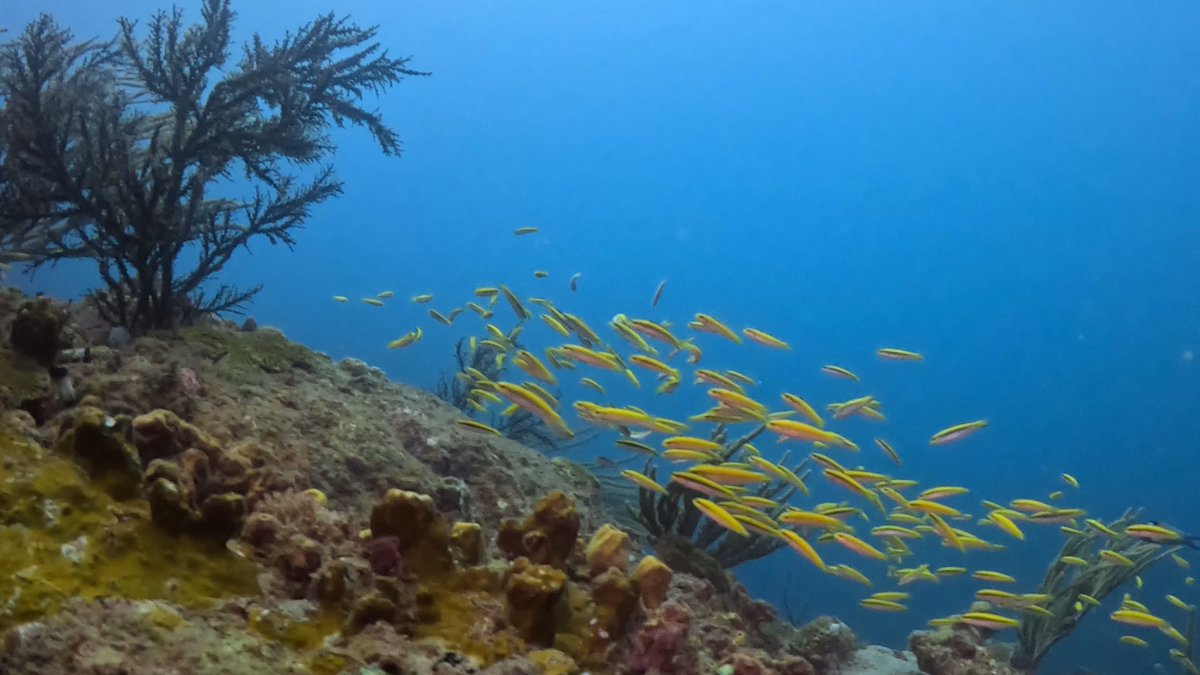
[(553, 662), (421, 534), (547, 537), (952, 651), (609, 547), (467, 540), (615, 597), (244, 356), (66, 537), (653, 578), (161, 433), (95, 440), (21, 380), (825, 642), (37, 329), (533, 592)]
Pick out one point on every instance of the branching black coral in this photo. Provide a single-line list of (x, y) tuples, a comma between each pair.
[(671, 520), (157, 158), (460, 389)]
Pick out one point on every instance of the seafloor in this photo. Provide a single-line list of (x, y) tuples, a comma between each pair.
[(219, 500)]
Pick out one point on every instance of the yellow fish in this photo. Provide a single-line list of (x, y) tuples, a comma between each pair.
[(765, 339), (480, 426), (892, 354), (879, 604), (838, 371), (720, 516), (957, 432), (706, 324), (643, 481), (994, 577), (888, 450)]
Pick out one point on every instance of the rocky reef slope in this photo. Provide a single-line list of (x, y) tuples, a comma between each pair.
[(220, 500)]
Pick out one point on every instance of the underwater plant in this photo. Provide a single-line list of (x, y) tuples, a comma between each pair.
[(158, 159), (1066, 583), (680, 532), (517, 424)]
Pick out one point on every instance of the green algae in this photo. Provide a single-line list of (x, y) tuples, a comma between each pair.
[(65, 537), (244, 357), (21, 379)]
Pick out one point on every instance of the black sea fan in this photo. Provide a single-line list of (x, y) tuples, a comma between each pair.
[(158, 158)]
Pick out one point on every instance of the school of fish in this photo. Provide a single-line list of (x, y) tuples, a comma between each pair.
[(898, 519)]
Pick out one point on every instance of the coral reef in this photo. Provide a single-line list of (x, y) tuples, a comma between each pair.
[(956, 651), (682, 537), (227, 501)]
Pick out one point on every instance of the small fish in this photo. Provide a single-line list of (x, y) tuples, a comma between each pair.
[(894, 596), (892, 354), (993, 577), (422, 298), (686, 456), (1006, 525), (801, 406), (589, 382), (881, 605), (765, 339), (1132, 641), (1074, 560), (950, 571), (440, 318), (1116, 558), (340, 298), (522, 231), (636, 446), (988, 620), (704, 323), (479, 426), (317, 496), (605, 463), (540, 274), (384, 295), (720, 516), (574, 282), (839, 372), (858, 546), (1133, 617), (372, 302), (515, 302), (658, 293), (849, 573), (1174, 600), (405, 340), (888, 450), (957, 432), (1070, 480), (643, 481), (805, 549)]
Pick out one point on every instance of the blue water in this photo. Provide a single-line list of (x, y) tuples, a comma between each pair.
[(1008, 188)]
